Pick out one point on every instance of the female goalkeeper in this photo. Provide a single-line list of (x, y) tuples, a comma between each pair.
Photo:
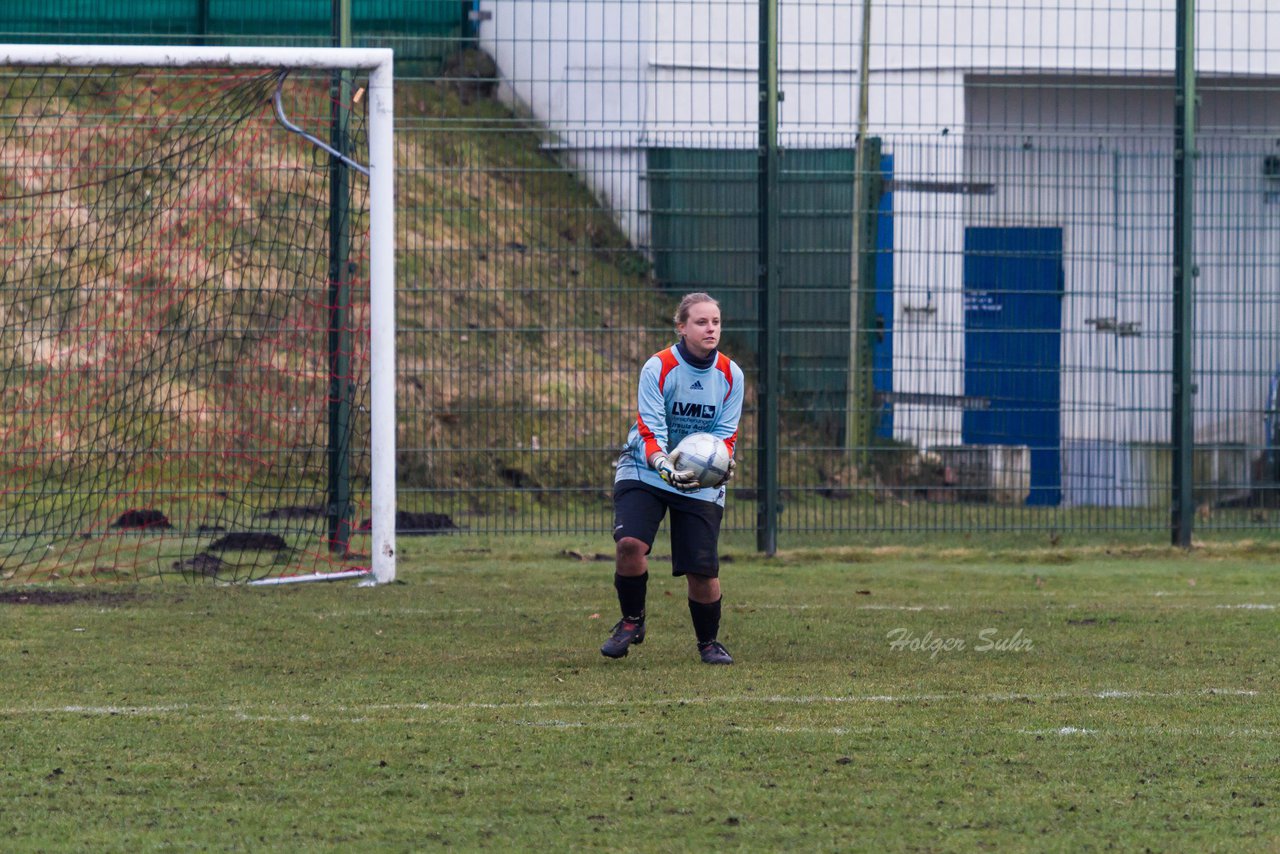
[(689, 387)]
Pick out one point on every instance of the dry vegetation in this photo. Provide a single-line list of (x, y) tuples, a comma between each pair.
[(167, 293), (525, 314)]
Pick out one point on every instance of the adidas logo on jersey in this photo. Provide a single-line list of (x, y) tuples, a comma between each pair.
[(697, 386)]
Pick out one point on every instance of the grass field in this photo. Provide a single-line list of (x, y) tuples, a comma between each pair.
[(1055, 700)]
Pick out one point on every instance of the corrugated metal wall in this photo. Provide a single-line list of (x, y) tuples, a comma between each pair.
[(1112, 196), (703, 220)]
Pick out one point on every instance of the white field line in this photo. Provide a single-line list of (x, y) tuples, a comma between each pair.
[(100, 710), (606, 611), (1107, 732), (904, 607), (732, 606), (560, 724), (1066, 730), (373, 709), (1208, 732)]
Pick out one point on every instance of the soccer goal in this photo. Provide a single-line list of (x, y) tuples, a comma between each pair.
[(196, 314)]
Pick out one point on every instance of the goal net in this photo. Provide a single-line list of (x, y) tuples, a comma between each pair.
[(195, 314)]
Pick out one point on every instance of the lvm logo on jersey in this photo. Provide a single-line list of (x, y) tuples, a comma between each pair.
[(694, 410)]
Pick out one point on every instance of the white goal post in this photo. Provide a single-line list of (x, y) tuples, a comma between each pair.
[(381, 151)]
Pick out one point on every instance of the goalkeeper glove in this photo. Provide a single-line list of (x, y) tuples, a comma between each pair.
[(733, 469), (682, 479)]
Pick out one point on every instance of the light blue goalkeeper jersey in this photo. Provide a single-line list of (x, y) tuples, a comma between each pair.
[(676, 399)]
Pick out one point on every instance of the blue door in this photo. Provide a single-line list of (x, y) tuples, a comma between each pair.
[(1012, 328)]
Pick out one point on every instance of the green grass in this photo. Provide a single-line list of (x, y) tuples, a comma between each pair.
[(468, 707)]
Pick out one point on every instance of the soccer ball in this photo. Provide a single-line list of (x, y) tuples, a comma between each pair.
[(705, 455)]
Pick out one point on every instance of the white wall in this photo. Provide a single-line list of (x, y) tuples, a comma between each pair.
[(578, 64), (612, 77), (926, 139)]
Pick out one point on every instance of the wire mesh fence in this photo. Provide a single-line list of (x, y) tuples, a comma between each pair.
[(968, 236)]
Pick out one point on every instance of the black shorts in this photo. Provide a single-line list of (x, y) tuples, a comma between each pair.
[(638, 509)]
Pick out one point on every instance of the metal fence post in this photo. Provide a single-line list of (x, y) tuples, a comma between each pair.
[(340, 385), (767, 389), (860, 415), (1184, 274), (855, 438)]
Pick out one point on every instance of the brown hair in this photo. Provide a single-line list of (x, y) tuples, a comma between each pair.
[(689, 301)]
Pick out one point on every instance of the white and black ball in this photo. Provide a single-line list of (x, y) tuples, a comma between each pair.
[(705, 455)]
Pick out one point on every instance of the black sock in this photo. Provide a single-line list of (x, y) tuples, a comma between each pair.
[(631, 591), (706, 619)]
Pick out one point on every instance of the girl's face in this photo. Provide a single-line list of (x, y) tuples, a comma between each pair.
[(701, 331)]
